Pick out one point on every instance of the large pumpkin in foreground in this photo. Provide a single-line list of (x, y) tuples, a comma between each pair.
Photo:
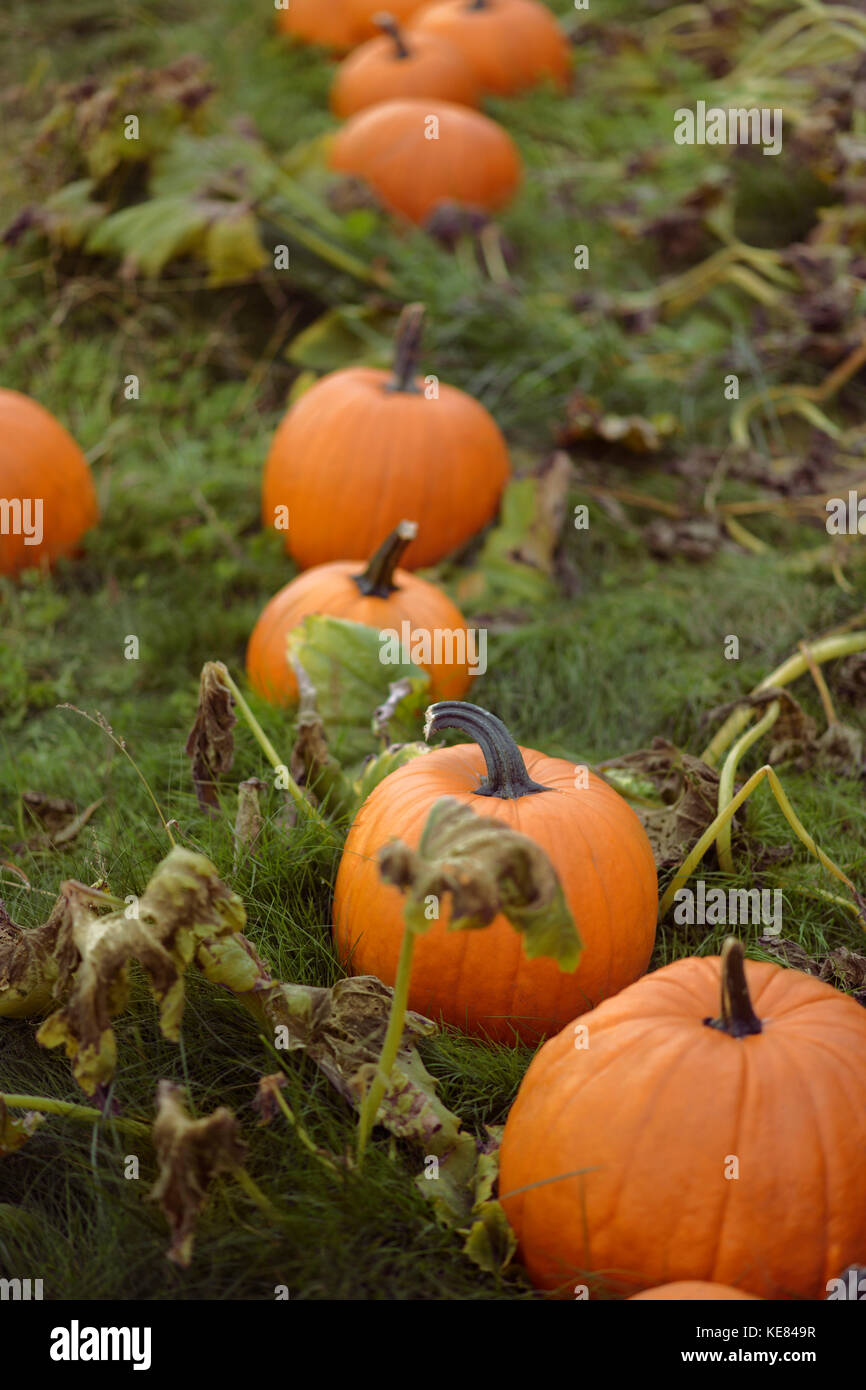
[(482, 981), (377, 594), (511, 44), (416, 153), (364, 448), (693, 1291), (47, 497), (689, 1141)]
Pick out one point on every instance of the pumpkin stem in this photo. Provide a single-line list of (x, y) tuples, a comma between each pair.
[(738, 1019), (407, 348), (507, 776), (378, 578), (388, 24)]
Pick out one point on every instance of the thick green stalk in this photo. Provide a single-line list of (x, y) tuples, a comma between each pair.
[(391, 1045)]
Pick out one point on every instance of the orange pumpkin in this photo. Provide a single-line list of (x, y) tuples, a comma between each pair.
[(47, 497), (400, 65), (329, 23), (363, 448), (367, 13), (380, 596), (511, 44), (482, 981), (677, 1145), (692, 1290), (468, 159)]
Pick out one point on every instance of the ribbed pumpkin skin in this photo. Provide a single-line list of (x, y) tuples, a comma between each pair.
[(375, 72), (692, 1291), (364, 11), (482, 981), (330, 23), (473, 161), (511, 44), (40, 459), (351, 459), (654, 1106), (331, 589)]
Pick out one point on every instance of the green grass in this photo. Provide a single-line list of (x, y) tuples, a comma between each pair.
[(632, 650)]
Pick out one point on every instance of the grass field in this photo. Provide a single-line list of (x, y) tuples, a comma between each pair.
[(626, 641)]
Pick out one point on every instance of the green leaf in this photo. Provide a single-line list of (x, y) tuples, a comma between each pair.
[(151, 234), (232, 248), (343, 337), (488, 869), (342, 661)]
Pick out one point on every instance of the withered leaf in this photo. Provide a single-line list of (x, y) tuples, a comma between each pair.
[(687, 789), (850, 678), (186, 913), (15, 1130), (312, 765), (695, 538), (190, 1153), (585, 418), (248, 817), (841, 967), (211, 740), (487, 868), (28, 968), (266, 1096)]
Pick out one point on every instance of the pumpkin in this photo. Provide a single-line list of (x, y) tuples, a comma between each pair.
[(413, 165), (684, 1142), (364, 448), (691, 1290), (399, 65), (47, 497), (329, 23), (511, 44), (481, 980), (367, 13), (379, 595)]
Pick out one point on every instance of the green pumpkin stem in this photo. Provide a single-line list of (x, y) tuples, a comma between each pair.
[(388, 24), (738, 1019), (378, 578), (507, 776), (407, 350)]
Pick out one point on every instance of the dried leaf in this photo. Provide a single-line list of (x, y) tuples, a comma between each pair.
[(211, 741), (696, 538), (15, 1130), (585, 418), (687, 789), (185, 914), (266, 1096), (190, 1153), (841, 967), (487, 868), (311, 764), (59, 821), (248, 817), (28, 968)]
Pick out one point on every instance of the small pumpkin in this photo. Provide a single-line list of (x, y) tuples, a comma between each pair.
[(364, 448), (366, 14), (401, 65), (329, 23), (618, 1157), (379, 595), (481, 980), (511, 44), (472, 161), (47, 497), (693, 1290)]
